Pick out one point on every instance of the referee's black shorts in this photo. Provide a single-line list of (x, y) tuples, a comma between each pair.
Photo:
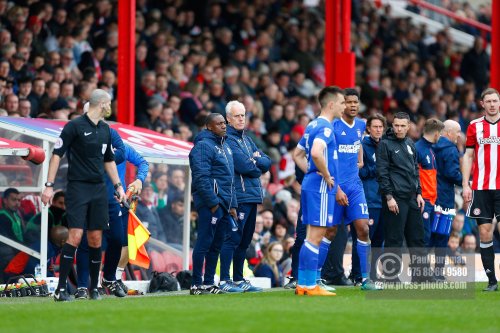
[(87, 205), (485, 205)]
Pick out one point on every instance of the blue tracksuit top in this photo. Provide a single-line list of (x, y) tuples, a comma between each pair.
[(212, 169), (368, 173), (247, 168), (448, 172)]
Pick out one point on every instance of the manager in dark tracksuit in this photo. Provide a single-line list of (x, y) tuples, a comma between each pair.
[(402, 202), (375, 126), (249, 164), (214, 198)]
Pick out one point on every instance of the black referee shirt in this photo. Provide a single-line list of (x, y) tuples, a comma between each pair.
[(88, 146)]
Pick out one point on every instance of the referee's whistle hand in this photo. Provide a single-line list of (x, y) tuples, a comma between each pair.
[(122, 197), (47, 195)]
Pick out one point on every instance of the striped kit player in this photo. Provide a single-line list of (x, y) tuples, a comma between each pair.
[(481, 156)]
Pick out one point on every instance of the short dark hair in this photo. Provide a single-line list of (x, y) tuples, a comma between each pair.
[(9, 191), (58, 195), (433, 125), (489, 91), (376, 116), (327, 93), (211, 118), (351, 92), (402, 115)]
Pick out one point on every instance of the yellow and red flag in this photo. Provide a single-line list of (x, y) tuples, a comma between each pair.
[(138, 235)]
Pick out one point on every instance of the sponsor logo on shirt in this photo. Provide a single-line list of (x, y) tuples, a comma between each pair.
[(351, 149), (490, 140)]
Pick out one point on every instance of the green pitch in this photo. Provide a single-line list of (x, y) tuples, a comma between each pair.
[(276, 312)]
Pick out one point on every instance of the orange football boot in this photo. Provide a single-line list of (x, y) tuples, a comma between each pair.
[(316, 291)]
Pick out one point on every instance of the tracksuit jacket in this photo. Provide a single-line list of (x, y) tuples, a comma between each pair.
[(247, 169), (448, 172), (212, 168), (397, 167), (368, 173)]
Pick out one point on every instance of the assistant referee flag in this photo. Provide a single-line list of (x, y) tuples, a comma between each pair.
[(138, 235)]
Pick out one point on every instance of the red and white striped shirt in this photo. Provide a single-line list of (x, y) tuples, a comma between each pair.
[(484, 137)]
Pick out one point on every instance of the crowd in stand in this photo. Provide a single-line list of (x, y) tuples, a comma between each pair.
[(463, 9), (194, 56)]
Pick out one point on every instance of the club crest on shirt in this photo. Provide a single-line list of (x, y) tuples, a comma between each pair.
[(104, 146), (409, 149), (327, 132), (359, 132), (214, 220), (426, 215), (241, 216)]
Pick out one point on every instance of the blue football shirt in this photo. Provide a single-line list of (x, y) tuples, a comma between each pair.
[(322, 130), (348, 138)]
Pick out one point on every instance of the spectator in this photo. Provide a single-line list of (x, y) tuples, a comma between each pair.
[(148, 214), (60, 109), (177, 183), (172, 218), (24, 108), (267, 218), (11, 226), (160, 186), (278, 232), (269, 265), (36, 95), (11, 104), (469, 244), (475, 65), (152, 122)]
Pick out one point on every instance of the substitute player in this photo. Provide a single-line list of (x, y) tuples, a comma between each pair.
[(351, 206), (483, 151), (316, 155)]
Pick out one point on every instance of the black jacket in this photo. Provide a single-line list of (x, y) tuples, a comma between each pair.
[(397, 166)]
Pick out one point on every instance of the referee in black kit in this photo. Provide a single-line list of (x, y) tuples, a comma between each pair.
[(87, 142), (402, 202)]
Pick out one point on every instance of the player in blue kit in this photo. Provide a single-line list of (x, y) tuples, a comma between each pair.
[(316, 155), (351, 206)]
